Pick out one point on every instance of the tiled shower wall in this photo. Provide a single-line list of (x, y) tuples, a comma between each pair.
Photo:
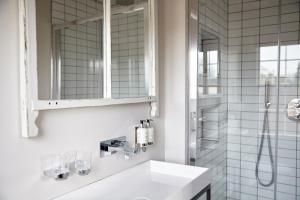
[(252, 57), (212, 154), (81, 51)]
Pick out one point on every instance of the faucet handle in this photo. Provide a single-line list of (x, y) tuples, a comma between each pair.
[(297, 115)]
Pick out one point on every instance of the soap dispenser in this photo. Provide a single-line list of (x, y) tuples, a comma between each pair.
[(142, 136), (150, 132)]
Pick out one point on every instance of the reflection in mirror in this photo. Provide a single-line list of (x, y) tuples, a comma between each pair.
[(129, 45), (208, 64), (70, 49)]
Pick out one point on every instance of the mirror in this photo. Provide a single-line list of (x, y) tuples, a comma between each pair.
[(72, 58), (69, 49), (90, 53), (129, 44), (208, 64)]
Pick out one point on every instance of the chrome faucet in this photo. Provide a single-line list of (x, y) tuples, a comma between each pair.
[(113, 146)]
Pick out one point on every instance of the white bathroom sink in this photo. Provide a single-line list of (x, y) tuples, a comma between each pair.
[(151, 180)]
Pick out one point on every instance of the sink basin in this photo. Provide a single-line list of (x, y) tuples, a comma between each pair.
[(151, 180)]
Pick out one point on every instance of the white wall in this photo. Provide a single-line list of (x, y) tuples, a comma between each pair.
[(20, 174), (173, 44)]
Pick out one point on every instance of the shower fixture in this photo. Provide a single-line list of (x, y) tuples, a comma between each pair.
[(293, 110), (265, 133)]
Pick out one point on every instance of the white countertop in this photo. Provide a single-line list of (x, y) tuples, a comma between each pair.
[(151, 180)]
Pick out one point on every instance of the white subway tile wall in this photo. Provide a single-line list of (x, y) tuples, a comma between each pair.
[(211, 134), (80, 47), (253, 58)]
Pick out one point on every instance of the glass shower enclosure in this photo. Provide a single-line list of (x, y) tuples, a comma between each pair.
[(244, 108)]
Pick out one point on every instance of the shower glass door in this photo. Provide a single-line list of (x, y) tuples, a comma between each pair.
[(208, 90), (263, 61), (258, 75)]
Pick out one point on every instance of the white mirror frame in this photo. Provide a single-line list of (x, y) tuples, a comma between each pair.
[(30, 105)]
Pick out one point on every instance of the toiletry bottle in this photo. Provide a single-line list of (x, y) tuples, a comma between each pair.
[(142, 138), (150, 132)]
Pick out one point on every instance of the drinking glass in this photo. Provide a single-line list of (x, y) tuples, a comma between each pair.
[(83, 163)]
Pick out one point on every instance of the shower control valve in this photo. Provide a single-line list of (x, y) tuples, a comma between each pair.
[(293, 110)]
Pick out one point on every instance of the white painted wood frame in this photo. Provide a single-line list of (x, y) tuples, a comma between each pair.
[(30, 105)]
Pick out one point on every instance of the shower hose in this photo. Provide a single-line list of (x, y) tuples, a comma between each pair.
[(265, 133)]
